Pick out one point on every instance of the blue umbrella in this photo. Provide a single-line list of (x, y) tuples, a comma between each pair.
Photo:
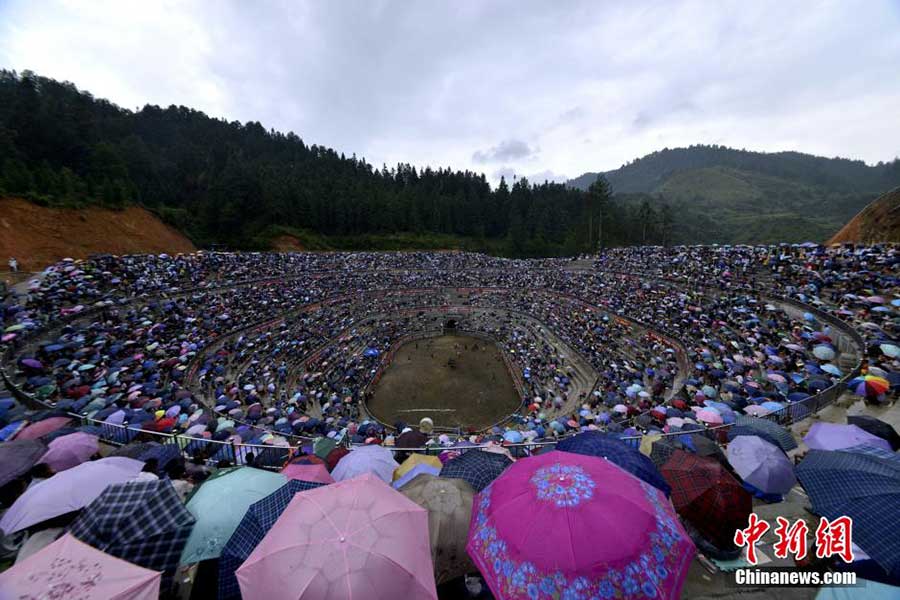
[(256, 523), (864, 488), (765, 469), (595, 443), (477, 467), (413, 473)]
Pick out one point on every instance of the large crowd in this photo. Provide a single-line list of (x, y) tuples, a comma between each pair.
[(263, 359)]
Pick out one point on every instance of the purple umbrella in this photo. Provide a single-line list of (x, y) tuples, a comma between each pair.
[(68, 491), (17, 457), (32, 363), (761, 465), (70, 451), (833, 436)]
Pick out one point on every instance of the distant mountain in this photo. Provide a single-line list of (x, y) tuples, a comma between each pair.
[(722, 195), (877, 222)]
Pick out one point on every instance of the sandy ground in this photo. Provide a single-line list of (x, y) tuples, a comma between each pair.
[(420, 382)]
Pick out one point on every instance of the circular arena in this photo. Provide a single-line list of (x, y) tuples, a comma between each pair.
[(268, 362)]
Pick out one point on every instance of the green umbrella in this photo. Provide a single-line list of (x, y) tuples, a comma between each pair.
[(45, 390), (12, 328), (219, 505), (322, 447)]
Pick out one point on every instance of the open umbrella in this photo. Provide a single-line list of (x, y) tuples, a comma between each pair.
[(414, 460), (878, 428), (323, 446), (143, 522), (314, 473), (449, 506), (17, 458), (70, 450), (69, 568), (824, 352), (708, 496), (866, 385), (219, 505), (766, 429), (863, 487), (834, 436), (477, 467), (256, 523), (595, 443), (367, 459), (762, 465), (355, 538), (577, 500), (41, 428), (68, 491)]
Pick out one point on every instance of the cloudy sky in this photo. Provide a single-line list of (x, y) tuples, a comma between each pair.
[(542, 89)]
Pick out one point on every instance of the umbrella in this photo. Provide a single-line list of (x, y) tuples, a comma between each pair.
[(577, 500), (705, 494), (355, 538), (68, 491), (867, 385), (833, 436), (414, 460), (766, 429), (42, 428), (595, 443), (367, 459), (71, 569), (449, 506), (824, 352), (890, 350), (70, 450), (313, 473), (413, 473), (878, 428), (322, 446), (761, 465), (864, 488), (163, 453), (661, 450), (708, 415), (477, 467), (143, 522), (217, 518), (17, 458), (256, 523)]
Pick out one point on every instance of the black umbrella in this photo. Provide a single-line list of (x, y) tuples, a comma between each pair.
[(478, 467), (877, 427)]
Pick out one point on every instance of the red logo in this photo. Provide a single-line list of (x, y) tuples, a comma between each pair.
[(833, 538)]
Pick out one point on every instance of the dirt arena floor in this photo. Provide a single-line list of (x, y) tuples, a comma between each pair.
[(473, 391)]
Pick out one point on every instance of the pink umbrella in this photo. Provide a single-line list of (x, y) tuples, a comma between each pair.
[(69, 568), (358, 538), (316, 473), (571, 501), (708, 415), (68, 491), (756, 410), (776, 378), (68, 451), (41, 428)]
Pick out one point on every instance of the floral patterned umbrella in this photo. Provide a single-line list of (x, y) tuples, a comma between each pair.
[(577, 500)]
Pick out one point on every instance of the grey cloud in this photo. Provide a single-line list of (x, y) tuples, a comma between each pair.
[(504, 151)]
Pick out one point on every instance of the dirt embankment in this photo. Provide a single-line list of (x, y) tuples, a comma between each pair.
[(37, 236), (287, 243), (878, 222)]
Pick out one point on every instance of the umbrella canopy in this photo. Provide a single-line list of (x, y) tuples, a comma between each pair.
[(413, 473), (824, 352), (766, 429), (367, 459), (257, 521), (595, 443), (70, 450), (577, 500), (41, 428), (707, 495), (761, 465), (863, 487), (449, 506), (323, 446), (17, 458), (661, 450), (313, 473), (878, 428), (414, 460), (834, 436), (69, 568), (68, 491), (477, 467), (355, 538), (867, 385), (216, 518), (143, 522)]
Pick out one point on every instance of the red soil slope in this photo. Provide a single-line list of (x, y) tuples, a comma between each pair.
[(39, 236), (878, 222)]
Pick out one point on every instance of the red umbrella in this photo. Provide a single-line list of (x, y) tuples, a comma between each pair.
[(679, 404), (39, 429), (707, 496), (334, 456)]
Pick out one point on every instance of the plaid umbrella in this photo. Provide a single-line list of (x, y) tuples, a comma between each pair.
[(877, 427), (477, 467), (662, 450), (595, 443), (767, 429), (257, 522), (17, 458), (863, 487), (708, 496), (701, 445), (143, 522), (892, 457)]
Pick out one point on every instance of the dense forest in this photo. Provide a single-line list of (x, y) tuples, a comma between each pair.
[(238, 185)]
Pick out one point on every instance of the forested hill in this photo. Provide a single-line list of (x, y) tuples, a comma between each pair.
[(723, 195), (241, 186)]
